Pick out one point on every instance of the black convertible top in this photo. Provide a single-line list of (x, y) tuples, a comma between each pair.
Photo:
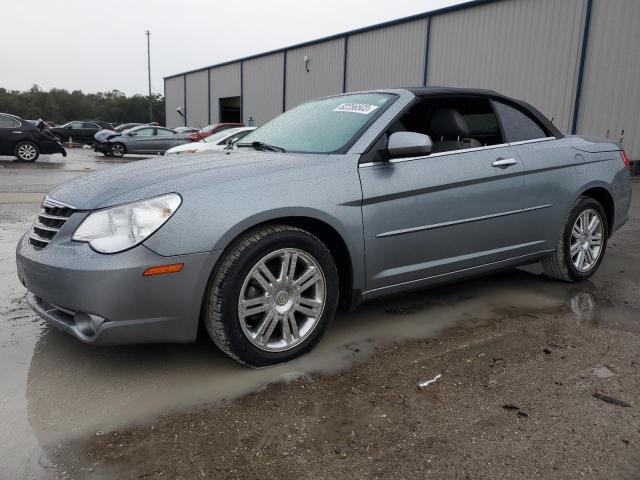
[(434, 91)]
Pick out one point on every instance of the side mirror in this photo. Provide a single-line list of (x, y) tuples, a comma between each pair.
[(409, 143)]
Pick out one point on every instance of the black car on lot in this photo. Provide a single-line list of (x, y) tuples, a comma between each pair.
[(81, 131), (26, 141)]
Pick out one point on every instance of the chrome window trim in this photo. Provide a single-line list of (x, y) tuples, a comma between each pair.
[(435, 155), (534, 140)]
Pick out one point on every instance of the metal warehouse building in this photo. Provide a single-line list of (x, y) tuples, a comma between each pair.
[(578, 61)]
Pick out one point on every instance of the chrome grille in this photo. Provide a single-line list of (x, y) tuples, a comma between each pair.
[(50, 220)]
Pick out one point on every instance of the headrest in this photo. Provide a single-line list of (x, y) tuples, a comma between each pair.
[(447, 122)]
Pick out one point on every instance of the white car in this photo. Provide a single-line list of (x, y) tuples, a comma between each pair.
[(217, 141)]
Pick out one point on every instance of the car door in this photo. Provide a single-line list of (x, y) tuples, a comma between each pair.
[(429, 217), (166, 138), (88, 131), (9, 132), (75, 131), (141, 141)]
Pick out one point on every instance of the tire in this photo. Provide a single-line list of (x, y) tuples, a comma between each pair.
[(118, 150), (26, 151), (238, 334), (60, 138), (562, 264)]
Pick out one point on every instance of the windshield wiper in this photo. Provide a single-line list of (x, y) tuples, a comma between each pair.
[(262, 147)]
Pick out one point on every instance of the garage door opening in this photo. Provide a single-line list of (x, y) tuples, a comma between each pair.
[(230, 110)]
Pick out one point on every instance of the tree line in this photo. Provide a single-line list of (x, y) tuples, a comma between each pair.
[(61, 106)]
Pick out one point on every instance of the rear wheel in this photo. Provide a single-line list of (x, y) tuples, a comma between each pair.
[(118, 150), (272, 296), (27, 151), (582, 245)]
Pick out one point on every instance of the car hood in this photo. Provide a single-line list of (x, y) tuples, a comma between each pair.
[(147, 178), (104, 134), (185, 146), (197, 146)]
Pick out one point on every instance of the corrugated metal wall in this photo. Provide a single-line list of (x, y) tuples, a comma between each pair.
[(523, 48), (262, 88), (173, 98), (388, 57), (325, 75), (529, 49), (225, 82), (197, 105), (610, 100)]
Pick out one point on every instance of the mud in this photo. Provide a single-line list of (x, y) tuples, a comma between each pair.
[(351, 407)]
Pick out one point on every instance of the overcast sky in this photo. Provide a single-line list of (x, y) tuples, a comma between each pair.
[(100, 45)]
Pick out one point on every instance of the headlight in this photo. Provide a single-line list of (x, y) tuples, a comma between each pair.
[(118, 228)]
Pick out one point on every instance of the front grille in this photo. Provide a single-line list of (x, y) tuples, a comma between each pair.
[(50, 220)]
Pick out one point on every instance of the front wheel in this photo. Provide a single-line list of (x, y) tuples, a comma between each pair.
[(272, 296), (118, 150), (27, 152), (582, 245)]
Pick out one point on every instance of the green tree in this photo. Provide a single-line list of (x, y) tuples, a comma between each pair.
[(61, 106)]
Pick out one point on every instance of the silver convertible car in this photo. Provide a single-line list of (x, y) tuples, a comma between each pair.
[(337, 201)]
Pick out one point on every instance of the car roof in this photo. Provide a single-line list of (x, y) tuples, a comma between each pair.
[(443, 90)]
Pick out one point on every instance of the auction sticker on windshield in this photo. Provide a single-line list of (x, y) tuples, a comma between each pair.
[(363, 108)]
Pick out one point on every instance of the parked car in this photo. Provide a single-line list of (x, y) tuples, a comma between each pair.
[(211, 129), (25, 141), (143, 139), (186, 129), (217, 141), (336, 201), (102, 135), (79, 131)]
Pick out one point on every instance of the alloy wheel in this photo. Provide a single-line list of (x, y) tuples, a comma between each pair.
[(586, 240), (117, 150), (282, 299), (27, 152)]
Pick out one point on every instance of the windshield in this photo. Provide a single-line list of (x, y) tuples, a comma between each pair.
[(320, 126), (216, 137)]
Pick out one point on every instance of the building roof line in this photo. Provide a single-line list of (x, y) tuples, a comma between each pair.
[(389, 23)]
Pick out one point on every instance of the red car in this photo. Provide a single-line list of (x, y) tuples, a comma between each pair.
[(211, 129)]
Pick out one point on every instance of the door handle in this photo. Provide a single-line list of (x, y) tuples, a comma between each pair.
[(17, 131), (504, 162)]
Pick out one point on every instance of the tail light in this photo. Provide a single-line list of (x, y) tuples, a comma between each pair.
[(625, 159), (194, 137)]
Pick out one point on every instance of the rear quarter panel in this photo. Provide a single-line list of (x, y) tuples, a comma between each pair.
[(557, 173)]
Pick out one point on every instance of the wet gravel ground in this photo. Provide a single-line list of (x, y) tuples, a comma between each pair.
[(520, 359)]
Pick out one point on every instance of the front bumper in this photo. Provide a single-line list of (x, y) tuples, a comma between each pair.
[(104, 299), (102, 147), (52, 146)]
